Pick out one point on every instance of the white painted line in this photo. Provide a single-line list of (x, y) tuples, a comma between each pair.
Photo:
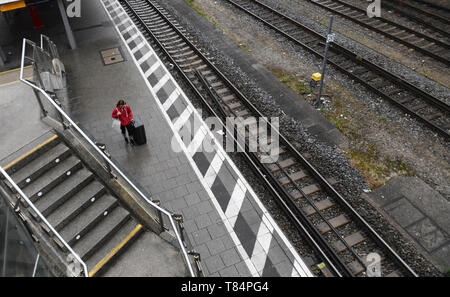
[(145, 57), (196, 141), (115, 7), (259, 260), (213, 170), (263, 230), (120, 14), (241, 184), (221, 155), (127, 28), (267, 223), (152, 69), (123, 22), (297, 267), (235, 204), (303, 270), (138, 47), (265, 239), (172, 98), (179, 122), (132, 37), (161, 82), (216, 163)]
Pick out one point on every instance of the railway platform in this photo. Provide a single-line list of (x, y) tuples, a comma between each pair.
[(223, 217), (182, 167)]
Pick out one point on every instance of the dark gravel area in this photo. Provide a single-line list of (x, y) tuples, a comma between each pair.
[(329, 161)]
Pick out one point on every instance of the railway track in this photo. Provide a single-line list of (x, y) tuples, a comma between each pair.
[(426, 8), (429, 110), (428, 44), (435, 19), (339, 235)]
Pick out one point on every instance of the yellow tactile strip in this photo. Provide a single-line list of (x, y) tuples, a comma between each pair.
[(114, 251), (12, 76), (31, 151)]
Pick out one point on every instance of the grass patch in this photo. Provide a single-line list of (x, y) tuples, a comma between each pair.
[(447, 272), (192, 4), (286, 79), (376, 169), (340, 122), (296, 83), (244, 47)]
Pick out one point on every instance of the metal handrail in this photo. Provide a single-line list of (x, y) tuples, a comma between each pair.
[(43, 219), (75, 126)]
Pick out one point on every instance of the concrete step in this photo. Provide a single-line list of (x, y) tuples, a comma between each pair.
[(32, 154), (50, 179), (31, 171), (76, 204), (116, 245), (87, 245), (88, 219), (62, 192)]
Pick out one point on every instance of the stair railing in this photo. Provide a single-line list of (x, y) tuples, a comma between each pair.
[(73, 265), (68, 123)]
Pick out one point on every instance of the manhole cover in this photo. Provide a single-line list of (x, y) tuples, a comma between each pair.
[(111, 56)]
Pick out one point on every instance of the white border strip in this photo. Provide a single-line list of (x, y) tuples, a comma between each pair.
[(300, 266)]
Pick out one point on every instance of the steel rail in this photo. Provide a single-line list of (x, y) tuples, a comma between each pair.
[(395, 80), (424, 10), (105, 158), (421, 20), (279, 189), (398, 26)]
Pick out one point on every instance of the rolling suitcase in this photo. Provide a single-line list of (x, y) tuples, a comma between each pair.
[(139, 132)]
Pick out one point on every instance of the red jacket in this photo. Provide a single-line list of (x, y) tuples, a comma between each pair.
[(125, 116)]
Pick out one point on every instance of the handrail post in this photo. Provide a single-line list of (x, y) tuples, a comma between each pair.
[(41, 105), (59, 114), (197, 260), (158, 203), (179, 219), (16, 204), (102, 146)]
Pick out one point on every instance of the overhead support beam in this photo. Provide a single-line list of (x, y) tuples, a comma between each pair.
[(11, 5), (69, 33)]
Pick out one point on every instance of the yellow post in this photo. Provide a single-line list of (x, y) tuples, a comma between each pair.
[(316, 76)]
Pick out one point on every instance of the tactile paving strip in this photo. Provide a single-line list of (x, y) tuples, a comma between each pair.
[(261, 243)]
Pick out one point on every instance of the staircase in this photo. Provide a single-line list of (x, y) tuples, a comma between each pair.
[(74, 201)]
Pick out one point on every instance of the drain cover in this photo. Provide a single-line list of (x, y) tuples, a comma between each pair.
[(111, 56)]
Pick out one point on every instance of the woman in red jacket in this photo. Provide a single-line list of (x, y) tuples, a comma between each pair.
[(125, 116)]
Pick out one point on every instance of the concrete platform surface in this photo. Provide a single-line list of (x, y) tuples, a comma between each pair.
[(149, 256), (21, 117), (224, 219), (421, 212)]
